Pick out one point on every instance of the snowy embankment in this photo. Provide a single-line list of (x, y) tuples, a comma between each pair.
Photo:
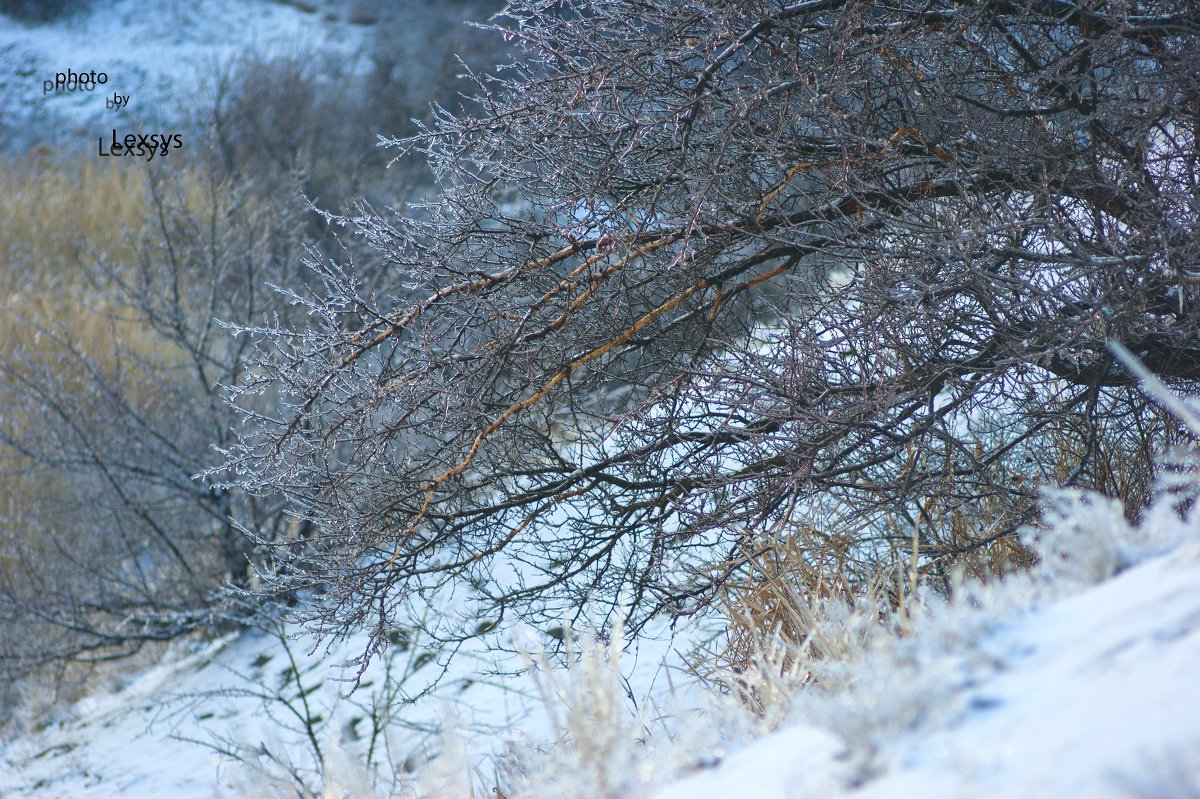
[(158, 57), (1042, 685), (1094, 695)]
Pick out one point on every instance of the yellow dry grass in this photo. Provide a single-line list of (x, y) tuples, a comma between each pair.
[(51, 211), (55, 217), (788, 574)]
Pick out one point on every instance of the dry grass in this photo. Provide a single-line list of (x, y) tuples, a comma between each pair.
[(776, 616), (57, 217), (809, 594), (66, 337), (60, 310), (789, 575), (49, 211), (52, 210)]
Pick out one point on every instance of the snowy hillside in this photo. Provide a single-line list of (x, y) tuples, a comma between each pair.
[(1035, 687), (156, 59), (1091, 696), (161, 58)]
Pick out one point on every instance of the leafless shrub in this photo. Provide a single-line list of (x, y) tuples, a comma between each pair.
[(110, 386), (292, 123), (112, 357), (696, 265), (299, 122)]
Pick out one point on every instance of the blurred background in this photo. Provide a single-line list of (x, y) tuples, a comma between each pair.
[(113, 270)]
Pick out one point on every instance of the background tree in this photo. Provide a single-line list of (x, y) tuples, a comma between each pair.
[(110, 387), (115, 284), (708, 273)]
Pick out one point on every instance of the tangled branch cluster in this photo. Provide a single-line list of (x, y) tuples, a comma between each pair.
[(705, 266)]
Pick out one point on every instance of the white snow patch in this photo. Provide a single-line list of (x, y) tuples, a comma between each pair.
[(158, 54)]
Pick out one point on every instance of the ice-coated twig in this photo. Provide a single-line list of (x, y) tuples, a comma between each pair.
[(1155, 388)]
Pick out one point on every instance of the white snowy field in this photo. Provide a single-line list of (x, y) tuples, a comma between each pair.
[(1078, 680), (161, 56)]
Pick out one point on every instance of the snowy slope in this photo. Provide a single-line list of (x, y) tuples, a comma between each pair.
[(1087, 693), (213, 719), (158, 54), (1092, 695), (173, 729)]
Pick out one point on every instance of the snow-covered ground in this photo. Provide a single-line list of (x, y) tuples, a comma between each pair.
[(1092, 696), (160, 55), (157, 54), (1039, 686), (238, 711)]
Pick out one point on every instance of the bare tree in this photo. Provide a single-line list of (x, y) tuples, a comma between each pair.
[(113, 353), (111, 404), (709, 268)]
